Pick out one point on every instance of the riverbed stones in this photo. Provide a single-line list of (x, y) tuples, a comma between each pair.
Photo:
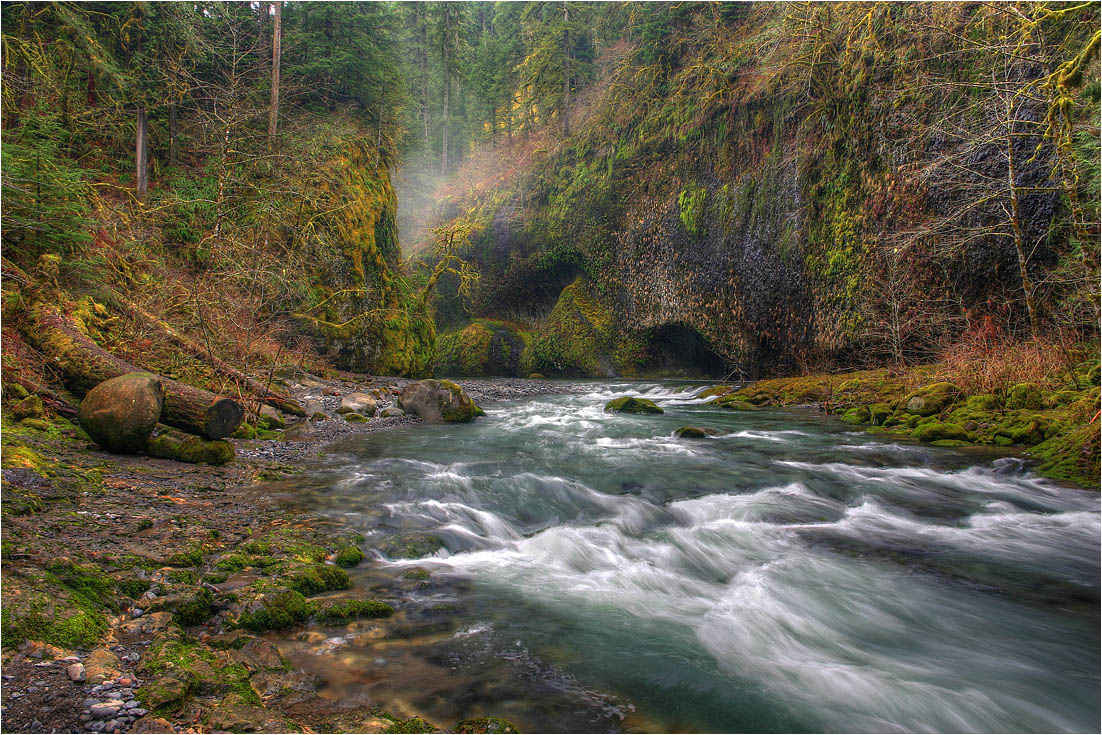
[(360, 403), (631, 404), (120, 414), (75, 672), (438, 401)]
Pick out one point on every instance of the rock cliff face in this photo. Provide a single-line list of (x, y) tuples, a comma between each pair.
[(740, 209)]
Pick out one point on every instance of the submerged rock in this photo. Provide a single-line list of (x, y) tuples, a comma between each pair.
[(438, 401), (694, 432), (120, 414), (630, 404)]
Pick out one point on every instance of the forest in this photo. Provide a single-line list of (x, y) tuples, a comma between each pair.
[(249, 248)]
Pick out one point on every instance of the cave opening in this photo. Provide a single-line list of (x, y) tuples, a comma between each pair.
[(678, 350)]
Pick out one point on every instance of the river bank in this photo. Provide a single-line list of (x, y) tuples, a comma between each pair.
[(124, 567)]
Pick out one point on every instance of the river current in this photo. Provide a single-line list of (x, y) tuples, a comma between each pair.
[(789, 574)]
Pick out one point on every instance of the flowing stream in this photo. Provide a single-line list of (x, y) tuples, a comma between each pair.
[(790, 574)]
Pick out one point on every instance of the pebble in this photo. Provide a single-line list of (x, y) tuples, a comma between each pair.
[(125, 681), (133, 704), (75, 672), (139, 712), (105, 710), (111, 725), (96, 726), (137, 612)]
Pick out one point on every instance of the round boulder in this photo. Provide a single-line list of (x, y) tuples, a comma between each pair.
[(120, 414), (631, 404), (438, 401), (360, 403)]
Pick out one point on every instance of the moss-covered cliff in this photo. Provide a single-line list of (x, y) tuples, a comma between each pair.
[(796, 185)]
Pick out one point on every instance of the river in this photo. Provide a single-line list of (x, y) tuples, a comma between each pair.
[(790, 574)]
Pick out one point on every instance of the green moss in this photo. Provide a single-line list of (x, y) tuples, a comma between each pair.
[(232, 563), (859, 415), (578, 338), (412, 725), (733, 402), (342, 611), (417, 574), (191, 449), (714, 391), (1024, 395), (276, 610), (256, 547), (245, 431), (195, 610), (355, 418), (486, 725), (931, 399), (982, 402), (631, 404), (133, 588), (81, 628), (410, 545), (879, 413), (1071, 457), (320, 578), (191, 558), (236, 678), (690, 202), (462, 408), (937, 431), (348, 556)]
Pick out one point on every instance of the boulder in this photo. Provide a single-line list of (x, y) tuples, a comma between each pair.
[(29, 408), (879, 413), (120, 414), (630, 404), (733, 403), (859, 415), (100, 666), (694, 432), (714, 391), (392, 412), (271, 417), (355, 418), (931, 399), (360, 403), (437, 401)]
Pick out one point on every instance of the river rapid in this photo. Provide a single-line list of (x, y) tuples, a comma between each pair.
[(790, 574)]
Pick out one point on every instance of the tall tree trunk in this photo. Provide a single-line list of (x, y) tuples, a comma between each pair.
[(141, 153), (565, 70), (444, 147), (423, 22), (273, 114)]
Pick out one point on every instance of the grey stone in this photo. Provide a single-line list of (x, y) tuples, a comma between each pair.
[(75, 672), (360, 403)]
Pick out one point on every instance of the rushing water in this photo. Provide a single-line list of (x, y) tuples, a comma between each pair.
[(790, 574)]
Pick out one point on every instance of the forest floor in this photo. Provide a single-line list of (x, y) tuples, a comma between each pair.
[(120, 571)]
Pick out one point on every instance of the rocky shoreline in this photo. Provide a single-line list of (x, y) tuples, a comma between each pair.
[(140, 584)]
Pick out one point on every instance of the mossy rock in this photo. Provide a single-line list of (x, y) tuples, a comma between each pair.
[(482, 348), (196, 609), (275, 610), (694, 432), (734, 402), (245, 431), (879, 413), (14, 391), (410, 545), (438, 401), (348, 556), (1027, 429), (176, 445), (537, 376), (1072, 456), (319, 578), (37, 424), (938, 431), (631, 404), (859, 415), (714, 391), (412, 725), (343, 611), (1024, 395), (355, 418), (982, 402), (30, 407), (931, 399), (950, 443), (1061, 398), (485, 725), (270, 418)]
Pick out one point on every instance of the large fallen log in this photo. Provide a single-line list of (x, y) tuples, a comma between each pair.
[(84, 365), (263, 392)]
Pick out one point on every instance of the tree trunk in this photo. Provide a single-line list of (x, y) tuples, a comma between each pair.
[(262, 392), (444, 147), (141, 153), (424, 51), (273, 115), (84, 365)]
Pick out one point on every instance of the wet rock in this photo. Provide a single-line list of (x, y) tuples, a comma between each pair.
[(631, 404), (75, 672), (152, 725), (101, 666), (360, 403), (438, 401), (259, 655), (694, 432), (120, 414)]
